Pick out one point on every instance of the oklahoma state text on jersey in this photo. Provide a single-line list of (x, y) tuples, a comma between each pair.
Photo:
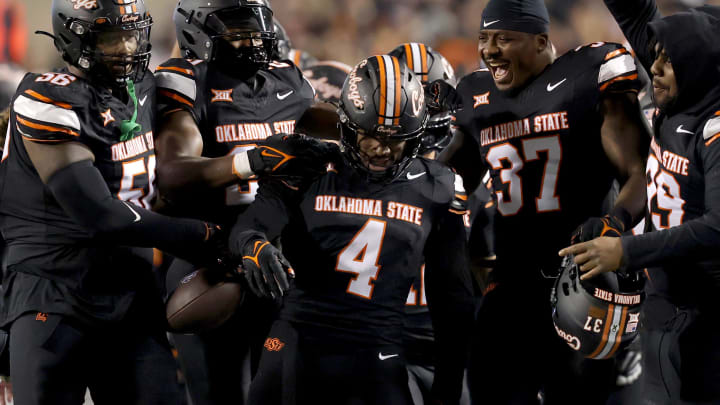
[(58, 107), (232, 116), (542, 144), (356, 247)]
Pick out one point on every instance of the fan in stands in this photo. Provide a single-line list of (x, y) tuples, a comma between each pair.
[(204, 300)]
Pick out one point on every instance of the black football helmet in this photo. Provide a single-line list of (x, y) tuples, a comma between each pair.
[(598, 317), (429, 65), (206, 29), (327, 78), (383, 99), (283, 45), (80, 27)]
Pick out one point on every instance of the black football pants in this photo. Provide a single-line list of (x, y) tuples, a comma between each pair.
[(420, 380), (681, 355), (295, 371), (516, 354), (53, 360)]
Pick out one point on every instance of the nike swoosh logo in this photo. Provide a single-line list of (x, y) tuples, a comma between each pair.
[(551, 87), (680, 130), (142, 102), (489, 23), (137, 216), (386, 356), (414, 176), (286, 95)]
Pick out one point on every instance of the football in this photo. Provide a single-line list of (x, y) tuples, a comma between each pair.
[(204, 300)]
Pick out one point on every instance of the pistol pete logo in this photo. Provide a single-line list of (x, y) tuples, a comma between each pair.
[(273, 344), (88, 4)]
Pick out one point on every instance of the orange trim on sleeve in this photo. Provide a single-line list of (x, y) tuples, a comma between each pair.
[(45, 128), (176, 69), (615, 53), (48, 100), (618, 79), (713, 139), (176, 97)]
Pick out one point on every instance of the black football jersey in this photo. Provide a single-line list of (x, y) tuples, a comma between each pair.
[(232, 116), (356, 248), (543, 147), (58, 107), (681, 166)]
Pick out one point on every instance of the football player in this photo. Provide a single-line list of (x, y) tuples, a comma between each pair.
[(216, 106), (418, 336), (554, 132), (681, 337), (356, 238), (76, 188), (285, 50)]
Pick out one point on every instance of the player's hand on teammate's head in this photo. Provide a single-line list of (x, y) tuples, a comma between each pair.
[(595, 227), (292, 155), (265, 268), (600, 255), (442, 97)]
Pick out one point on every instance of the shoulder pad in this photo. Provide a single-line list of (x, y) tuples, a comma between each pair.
[(47, 105), (176, 82)]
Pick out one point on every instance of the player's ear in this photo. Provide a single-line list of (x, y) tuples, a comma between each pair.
[(542, 42)]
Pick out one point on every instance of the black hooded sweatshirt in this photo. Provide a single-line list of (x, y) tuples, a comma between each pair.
[(684, 162)]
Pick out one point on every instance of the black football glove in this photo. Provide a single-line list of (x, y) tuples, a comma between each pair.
[(292, 155), (265, 268), (441, 97), (595, 227)]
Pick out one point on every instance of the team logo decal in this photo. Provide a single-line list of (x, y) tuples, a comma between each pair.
[(273, 344), (87, 4), (221, 95), (130, 18), (481, 99), (107, 117)]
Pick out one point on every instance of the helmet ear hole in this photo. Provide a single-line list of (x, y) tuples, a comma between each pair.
[(188, 37), (566, 289)]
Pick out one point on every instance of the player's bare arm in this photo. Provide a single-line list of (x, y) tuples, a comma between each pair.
[(625, 141), (181, 167)]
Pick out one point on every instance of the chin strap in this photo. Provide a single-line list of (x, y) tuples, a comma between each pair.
[(130, 128)]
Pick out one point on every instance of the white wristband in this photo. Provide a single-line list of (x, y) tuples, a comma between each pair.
[(241, 166)]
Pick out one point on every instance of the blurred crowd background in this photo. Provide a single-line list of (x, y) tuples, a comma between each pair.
[(342, 30)]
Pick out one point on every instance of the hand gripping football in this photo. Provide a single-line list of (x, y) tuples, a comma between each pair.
[(204, 300)]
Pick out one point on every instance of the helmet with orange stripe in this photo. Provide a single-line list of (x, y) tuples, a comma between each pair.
[(430, 66), (109, 40), (382, 117), (237, 34), (598, 317)]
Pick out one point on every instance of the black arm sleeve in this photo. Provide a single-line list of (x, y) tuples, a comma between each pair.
[(698, 238), (633, 17), (450, 300), (83, 194), (265, 218)]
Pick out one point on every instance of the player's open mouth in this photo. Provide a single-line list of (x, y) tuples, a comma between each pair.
[(500, 71)]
